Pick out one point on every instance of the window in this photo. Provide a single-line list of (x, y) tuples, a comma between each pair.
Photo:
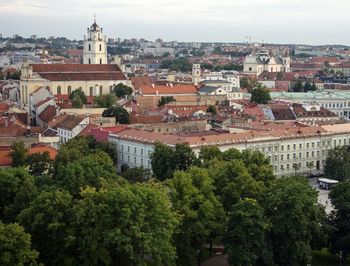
[(294, 156), (294, 146), (128, 148), (89, 50), (135, 150), (135, 160), (100, 47), (89, 61), (287, 166), (91, 91), (128, 158), (312, 153), (58, 89), (307, 154), (300, 146), (300, 155), (141, 161), (282, 147), (101, 90), (141, 151), (287, 156), (69, 90), (110, 89), (100, 61), (122, 147), (288, 147), (122, 157), (282, 157), (307, 145), (313, 144)]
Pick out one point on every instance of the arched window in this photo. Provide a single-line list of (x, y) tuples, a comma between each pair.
[(101, 90), (91, 91), (89, 47), (48, 88), (100, 47), (89, 61), (58, 89), (69, 89), (110, 88), (100, 60)]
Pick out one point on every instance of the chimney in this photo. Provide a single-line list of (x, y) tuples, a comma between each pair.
[(171, 85), (153, 85)]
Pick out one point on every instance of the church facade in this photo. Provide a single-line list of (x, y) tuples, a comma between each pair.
[(95, 77), (262, 61)]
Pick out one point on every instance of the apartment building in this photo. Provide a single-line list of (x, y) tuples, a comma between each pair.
[(303, 149)]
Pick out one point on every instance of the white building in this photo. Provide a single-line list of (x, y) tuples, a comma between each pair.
[(336, 101), (304, 147), (262, 61), (71, 126), (95, 46)]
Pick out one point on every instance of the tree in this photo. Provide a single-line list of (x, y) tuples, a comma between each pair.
[(122, 90), (296, 167), (307, 87), (337, 163), (208, 153), (121, 115), (39, 163), (48, 220), (296, 218), (18, 153), (244, 82), (136, 174), (162, 161), (260, 95), (212, 109), (105, 101), (339, 219), (129, 225), (78, 98), (15, 246), (298, 87), (310, 165), (165, 100), (93, 170), (246, 237), (16, 192), (203, 218), (313, 87), (183, 157)]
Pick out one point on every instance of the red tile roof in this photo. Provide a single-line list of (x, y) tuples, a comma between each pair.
[(101, 133), (48, 114), (175, 89), (70, 122), (58, 72), (41, 148)]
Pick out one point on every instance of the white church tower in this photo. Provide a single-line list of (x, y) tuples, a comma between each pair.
[(95, 46)]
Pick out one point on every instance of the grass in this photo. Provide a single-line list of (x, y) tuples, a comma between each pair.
[(324, 258)]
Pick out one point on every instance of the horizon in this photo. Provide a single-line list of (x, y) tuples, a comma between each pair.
[(283, 22)]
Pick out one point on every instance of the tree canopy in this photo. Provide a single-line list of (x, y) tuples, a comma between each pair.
[(260, 94)]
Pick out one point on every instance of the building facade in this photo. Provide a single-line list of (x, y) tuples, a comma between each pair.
[(300, 150)]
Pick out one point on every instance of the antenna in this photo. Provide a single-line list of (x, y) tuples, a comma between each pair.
[(94, 17)]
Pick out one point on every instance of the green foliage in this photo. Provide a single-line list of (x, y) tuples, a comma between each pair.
[(137, 174), (105, 101), (203, 218), (125, 226), (16, 192), (48, 220), (15, 246), (92, 170), (260, 94), (121, 115), (208, 153), (291, 204), (247, 231), (122, 90), (298, 87), (18, 153), (78, 98), (179, 65), (165, 160), (39, 164), (165, 100), (337, 164), (339, 220), (212, 109)]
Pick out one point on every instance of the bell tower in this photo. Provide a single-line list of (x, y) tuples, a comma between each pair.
[(196, 73), (95, 46)]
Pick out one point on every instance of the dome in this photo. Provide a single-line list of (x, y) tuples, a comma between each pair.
[(95, 27)]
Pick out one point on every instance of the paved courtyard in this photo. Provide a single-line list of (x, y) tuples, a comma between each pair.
[(322, 195)]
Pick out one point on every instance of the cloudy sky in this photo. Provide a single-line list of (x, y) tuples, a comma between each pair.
[(274, 21)]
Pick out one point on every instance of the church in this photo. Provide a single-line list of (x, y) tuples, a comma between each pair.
[(261, 61), (95, 76)]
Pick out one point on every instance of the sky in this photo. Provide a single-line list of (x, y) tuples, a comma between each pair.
[(312, 22)]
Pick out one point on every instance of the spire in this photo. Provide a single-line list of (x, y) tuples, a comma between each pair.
[(95, 18)]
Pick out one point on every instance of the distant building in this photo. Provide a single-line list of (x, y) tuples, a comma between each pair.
[(262, 61)]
